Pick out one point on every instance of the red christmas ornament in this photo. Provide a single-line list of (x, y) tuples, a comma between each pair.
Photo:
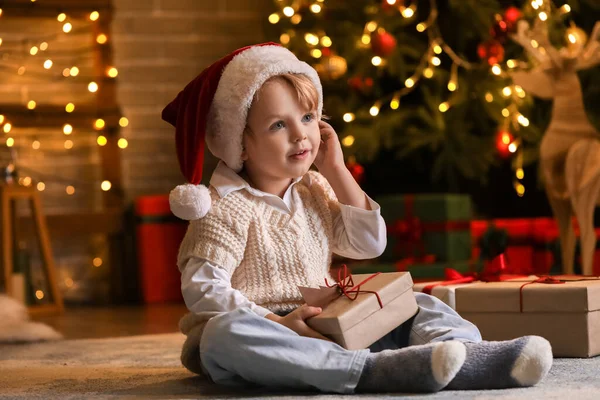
[(499, 31), (491, 51), (503, 141), (357, 170), (360, 84), (356, 83), (512, 15), (382, 44)]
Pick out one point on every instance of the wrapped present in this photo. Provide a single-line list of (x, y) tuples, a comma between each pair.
[(547, 254), (427, 224), (513, 237), (493, 271), (418, 270), (357, 315), (564, 310)]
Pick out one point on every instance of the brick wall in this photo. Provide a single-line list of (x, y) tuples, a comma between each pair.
[(159, 46)]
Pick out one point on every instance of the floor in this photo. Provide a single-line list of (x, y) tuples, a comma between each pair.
[(103, 322)]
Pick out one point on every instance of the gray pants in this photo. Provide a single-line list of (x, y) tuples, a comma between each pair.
[(240, 347)]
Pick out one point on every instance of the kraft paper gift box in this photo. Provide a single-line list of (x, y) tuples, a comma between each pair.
[(357, 324), (446, 293), (567, 314)]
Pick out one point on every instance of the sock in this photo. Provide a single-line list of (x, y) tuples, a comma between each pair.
[(496, 365), (424, 368)]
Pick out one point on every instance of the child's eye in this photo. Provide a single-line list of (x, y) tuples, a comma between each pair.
[(277, 125), (308, 117)]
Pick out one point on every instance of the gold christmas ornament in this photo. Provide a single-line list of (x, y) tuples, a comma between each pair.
[(332, 67)]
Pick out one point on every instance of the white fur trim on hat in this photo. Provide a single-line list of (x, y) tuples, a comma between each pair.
[(189, 201), (241, 79)]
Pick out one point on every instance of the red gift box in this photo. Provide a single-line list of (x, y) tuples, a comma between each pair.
[(547, 251), (519, 250)]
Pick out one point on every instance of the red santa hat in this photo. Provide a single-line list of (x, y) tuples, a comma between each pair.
[(213, 109)]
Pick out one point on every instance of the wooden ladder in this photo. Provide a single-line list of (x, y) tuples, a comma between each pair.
[(9, 193)]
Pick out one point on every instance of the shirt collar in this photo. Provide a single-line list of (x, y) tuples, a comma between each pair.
[(225, 181)]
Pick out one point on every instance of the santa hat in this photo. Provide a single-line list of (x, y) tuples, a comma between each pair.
[(213, 109)]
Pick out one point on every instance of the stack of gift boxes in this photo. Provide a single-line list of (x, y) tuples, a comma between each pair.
[(453, 257)]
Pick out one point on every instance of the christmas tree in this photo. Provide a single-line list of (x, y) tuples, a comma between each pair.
[(430, 81)]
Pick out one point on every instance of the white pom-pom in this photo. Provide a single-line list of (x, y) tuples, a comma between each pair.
[(189, 201)]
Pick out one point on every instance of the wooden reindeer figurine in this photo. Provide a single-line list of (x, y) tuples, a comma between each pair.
[(570, 148)]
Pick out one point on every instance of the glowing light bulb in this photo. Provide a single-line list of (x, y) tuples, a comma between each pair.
[(522, 120), (374, 111), (511, 63), (437, 49), (39, 294), (284, 38), (7, 127), (106, 185), (74, 71), (67, 129), (70, 107), (112, 72), (97, 262), (445, 106), (123, 122), (505, 112), (376, 61), (512, 147), (371, 26), (43, 46), (520, 173), (395, 103), (101, 38), (93, 87), (35, 145), (421, 27), (428, 72), (365, 39), (99, 124), (288, 11), (520, 189), (94, 15), (274, 18), (122, 143), (48, 64), (348, 117), (489, 97), (315, 8), (410, 82), (326, 41), (67, 27), (407, 12), (316, 53), (41, 186), (452, 86), (101, 140), (506, 91), (70, 190), (31, 104), (68, 144), (61, 17), (543, 16), (496, 70), (348, 141), (10, 142), (34, 50), (436, 61)]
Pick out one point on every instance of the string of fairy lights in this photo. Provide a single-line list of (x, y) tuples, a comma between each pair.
[(16, 55), (513, 95)]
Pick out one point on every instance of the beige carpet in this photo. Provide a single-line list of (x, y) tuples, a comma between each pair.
[(147, 367)]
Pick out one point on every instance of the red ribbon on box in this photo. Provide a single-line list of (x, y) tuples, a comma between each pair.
[(347, 287), (549, 280), (493, 271)]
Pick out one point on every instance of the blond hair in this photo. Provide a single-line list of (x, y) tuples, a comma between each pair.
[(308, 96)]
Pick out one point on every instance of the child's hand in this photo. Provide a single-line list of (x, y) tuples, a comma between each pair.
[(330, 155), (296, 321)]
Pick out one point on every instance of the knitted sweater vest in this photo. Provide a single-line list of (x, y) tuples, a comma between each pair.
[(267, 253)]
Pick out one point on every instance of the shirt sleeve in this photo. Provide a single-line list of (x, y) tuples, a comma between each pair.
[(359, 234), (206, 289)]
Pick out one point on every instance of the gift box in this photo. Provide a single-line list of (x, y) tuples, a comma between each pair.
[(565, 311), (440, 289), (356, 316), (427, 224), (513, 237)]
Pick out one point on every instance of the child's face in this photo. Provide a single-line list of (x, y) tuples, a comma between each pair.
[(284, 137)]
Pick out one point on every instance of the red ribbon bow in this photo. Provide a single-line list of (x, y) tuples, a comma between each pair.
[(493, 271), (347, 287)]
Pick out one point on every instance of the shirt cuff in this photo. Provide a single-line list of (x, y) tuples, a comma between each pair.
[(351, 211), (260, 311)]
